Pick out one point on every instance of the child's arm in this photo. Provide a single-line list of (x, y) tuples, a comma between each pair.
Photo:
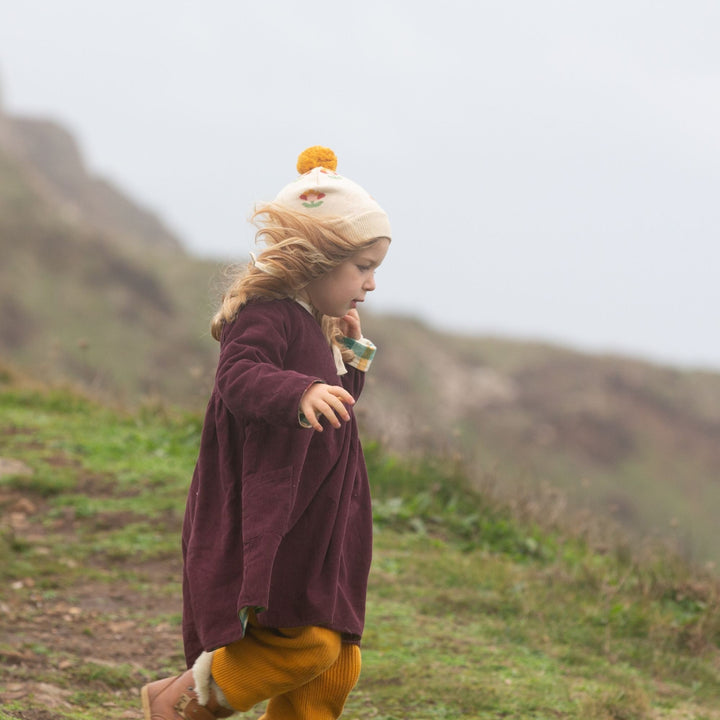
[(362, 349), (251, 378)]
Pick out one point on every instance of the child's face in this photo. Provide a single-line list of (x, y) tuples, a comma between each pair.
[(346, 285)]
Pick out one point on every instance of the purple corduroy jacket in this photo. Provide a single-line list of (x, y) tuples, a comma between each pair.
[(278, 516)]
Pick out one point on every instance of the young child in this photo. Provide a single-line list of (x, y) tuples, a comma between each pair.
[(278, 527)]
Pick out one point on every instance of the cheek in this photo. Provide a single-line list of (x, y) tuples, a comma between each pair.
[(348, 279)]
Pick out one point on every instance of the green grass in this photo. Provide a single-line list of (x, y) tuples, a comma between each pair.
[(471, 612)]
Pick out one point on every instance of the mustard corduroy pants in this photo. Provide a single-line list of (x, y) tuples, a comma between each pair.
[(306, 672)]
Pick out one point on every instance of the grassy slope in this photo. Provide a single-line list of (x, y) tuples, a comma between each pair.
[(471, 613), (89, 302), (617, 437)]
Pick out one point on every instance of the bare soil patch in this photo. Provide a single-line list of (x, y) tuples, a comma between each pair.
[(63, 641)]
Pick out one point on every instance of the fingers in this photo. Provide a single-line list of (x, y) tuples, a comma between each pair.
[(335, 408), (341, 394), (331, 406), (350, 325), (328, 401), (311, 416), (331, 412)]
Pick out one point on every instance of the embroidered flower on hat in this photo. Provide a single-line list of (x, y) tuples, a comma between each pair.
[(312, 198)]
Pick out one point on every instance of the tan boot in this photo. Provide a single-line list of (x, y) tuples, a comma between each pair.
[(175, 698)]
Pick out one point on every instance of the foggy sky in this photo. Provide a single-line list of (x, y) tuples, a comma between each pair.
[(551, 170)]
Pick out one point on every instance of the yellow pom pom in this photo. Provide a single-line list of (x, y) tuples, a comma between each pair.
[(316, 156)]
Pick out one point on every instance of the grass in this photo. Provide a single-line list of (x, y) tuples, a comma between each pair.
[(472, 612)]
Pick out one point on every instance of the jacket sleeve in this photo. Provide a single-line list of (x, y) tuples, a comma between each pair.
[(353, 381), (364, 352), (251, 378)]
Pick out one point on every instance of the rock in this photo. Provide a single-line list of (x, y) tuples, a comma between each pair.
[(10, 466), (25, 505)]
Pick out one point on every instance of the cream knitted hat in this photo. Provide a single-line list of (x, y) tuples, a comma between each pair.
[(321, 192)]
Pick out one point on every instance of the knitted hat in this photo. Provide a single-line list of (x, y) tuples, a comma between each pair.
[(321, 192)]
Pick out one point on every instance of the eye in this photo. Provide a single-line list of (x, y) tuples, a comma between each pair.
[(363, 268)]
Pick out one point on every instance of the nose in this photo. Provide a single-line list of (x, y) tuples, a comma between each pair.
[(369, 284)]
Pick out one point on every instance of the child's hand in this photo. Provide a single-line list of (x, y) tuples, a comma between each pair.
[(350, 325), (326, 400)]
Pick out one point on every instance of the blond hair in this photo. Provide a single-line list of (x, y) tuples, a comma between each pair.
[(299, 248)]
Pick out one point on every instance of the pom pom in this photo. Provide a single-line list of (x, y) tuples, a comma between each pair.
[(316, 156)]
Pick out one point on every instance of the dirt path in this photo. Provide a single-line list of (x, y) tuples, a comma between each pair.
[(65, 647)]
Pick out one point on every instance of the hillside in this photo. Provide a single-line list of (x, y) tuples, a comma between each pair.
[(92, 289), (53, 163), (472, 613), (97, 291), (566, 434)]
